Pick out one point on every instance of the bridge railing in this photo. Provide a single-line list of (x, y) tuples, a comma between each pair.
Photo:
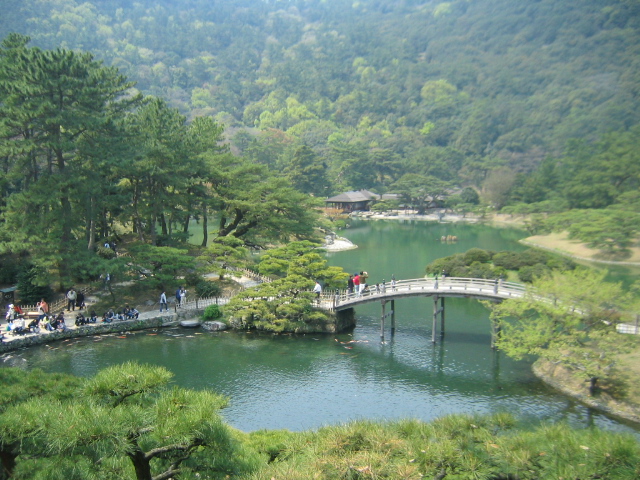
[(431, 285), (200, 303)]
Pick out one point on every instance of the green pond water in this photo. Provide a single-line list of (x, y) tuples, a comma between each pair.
[(306, 381)]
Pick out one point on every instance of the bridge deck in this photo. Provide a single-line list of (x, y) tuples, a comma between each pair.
[(425, 287)]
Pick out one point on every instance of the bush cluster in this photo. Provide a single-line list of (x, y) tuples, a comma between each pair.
[(207, 289), (478, 263), (212, 312)]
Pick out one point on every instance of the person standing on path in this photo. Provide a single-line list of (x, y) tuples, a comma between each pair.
[(183, 296), (43, 309), (163, 301), (71, 300), (317, 289), (178, 296)]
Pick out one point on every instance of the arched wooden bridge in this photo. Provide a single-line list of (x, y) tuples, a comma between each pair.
[(438, 288)]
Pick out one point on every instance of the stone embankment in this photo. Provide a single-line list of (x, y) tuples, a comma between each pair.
[(146, 320)]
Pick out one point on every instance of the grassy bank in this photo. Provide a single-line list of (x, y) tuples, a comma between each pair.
[(459, 446), (560, 243)]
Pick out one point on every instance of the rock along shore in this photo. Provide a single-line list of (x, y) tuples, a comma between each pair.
[(146, 320)]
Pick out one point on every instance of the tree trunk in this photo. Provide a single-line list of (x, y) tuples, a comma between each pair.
[(141, 465), (155, 212), (92, 225), (8, 459), (593, 385), (136, 214), (163, 224), (205, 226)]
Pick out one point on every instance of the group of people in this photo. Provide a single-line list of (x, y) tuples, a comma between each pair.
[(357, 283), (181, 299), (17, 325), (74, 299), (127, 313), (181, 296)]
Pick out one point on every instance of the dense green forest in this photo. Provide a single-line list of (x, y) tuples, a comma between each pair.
[(461, 91), (248, 109)]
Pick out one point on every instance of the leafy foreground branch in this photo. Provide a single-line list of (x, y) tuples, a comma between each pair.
[(128, 423)]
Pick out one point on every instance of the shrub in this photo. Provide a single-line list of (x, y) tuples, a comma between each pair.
[(340, 224), (385, 206), (448, 264), (10, 267), (461, 271), (470, 195), (206, 288), (176, 239), (192, 279), (212, 312), (106, 253), (481, 270), (508, 260), (529, 273), (476, 255), (30, 285), (560, 263), (533, 256)]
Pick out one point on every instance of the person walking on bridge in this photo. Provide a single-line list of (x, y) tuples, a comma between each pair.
[(350, 285), (356, 283)]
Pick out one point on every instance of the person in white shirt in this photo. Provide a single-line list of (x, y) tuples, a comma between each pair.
[(163, 302)]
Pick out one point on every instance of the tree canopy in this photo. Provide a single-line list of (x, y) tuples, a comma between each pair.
[(375, 89), (568, 318)]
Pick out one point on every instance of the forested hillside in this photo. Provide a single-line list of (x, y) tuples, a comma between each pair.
[(467, 92)]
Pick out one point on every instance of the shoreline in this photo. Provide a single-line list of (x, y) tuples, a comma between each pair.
[(558, 244), (339, 244), (564, 381), (440, 217)]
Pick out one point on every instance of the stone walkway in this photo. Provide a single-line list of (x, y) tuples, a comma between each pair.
[(7, 337), (169, 317)]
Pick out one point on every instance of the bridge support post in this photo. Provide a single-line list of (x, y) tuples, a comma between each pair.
[(495, 333), (382, 322), (437, 310), (435, 319), (442, 318), (393, 317)]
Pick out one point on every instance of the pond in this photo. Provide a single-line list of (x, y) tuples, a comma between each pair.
[(300, 382)]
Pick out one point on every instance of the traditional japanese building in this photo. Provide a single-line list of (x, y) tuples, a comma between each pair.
[(352, 201)]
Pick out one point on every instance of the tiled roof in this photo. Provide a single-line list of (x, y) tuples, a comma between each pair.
[(353, 197)]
